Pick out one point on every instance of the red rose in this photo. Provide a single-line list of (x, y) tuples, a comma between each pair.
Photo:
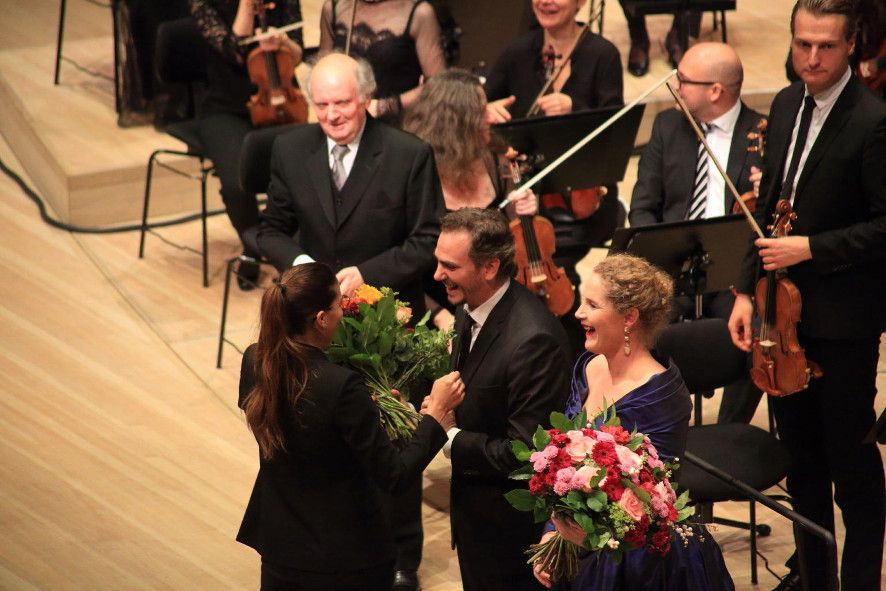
[(604, 454), (613, 489), (637, 535), (644, 476), (559, 439), (588, 433)]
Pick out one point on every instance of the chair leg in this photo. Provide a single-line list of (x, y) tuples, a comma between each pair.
[(224, 312), (752, 511), (148, 177), (203, 174)]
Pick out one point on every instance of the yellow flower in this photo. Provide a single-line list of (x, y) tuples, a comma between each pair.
[(368, 293)]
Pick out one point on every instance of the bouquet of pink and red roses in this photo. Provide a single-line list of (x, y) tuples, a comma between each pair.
[(394, 359), (609, 481)]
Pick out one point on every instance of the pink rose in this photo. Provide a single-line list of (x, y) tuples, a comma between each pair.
[(663, 489), (653, 453), (628, 461), (583, 477), (603, 436), (404, 314), (579, 446), (632, 505)]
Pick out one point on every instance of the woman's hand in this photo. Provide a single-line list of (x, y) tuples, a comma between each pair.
[(555, 103), (446, 394), (524, 200), (543, 576), (570, 530), (497, 111)]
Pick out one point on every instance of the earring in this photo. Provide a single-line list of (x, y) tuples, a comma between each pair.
[(627, 341)]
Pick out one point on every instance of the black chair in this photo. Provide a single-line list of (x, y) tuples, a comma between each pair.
[(180, 59), (255, 176), (716, 7), (708, 360)]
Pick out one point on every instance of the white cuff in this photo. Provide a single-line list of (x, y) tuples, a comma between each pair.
[(301, 260), (447, 447)]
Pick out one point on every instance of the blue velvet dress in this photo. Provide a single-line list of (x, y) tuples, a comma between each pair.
[(659, 408)]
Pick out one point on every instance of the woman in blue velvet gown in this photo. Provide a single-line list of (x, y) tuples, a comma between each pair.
[(623, 304)]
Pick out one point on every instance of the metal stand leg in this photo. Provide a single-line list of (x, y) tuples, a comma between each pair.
[(59, 41), (203, 174), (224, 313), (148, 176)]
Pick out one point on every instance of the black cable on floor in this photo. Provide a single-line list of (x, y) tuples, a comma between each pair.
[(87, 70), (41, 206)]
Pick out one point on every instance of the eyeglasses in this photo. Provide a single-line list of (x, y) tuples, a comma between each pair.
[(681, 80)]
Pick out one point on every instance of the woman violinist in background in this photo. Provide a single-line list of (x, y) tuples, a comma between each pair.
[(590, 78), (224, 117), (399, 38), (450, 115), (315, 515)]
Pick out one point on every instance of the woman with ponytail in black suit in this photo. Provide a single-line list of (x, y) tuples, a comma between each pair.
[(314, 515)]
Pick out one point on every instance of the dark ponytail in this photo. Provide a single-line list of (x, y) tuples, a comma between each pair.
[(281, 360)]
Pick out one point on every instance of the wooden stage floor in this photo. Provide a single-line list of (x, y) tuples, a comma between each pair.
[(124, 462)]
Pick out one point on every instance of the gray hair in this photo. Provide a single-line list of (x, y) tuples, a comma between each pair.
[(366, 84)]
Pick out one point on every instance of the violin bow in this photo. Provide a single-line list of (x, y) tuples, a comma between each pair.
[(744, 208), (272, 33), (351, 28), (582, 142)]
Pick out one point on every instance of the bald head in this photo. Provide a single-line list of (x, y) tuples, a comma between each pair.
[(715, 63)]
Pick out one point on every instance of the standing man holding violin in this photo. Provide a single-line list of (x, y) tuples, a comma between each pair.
[(224, 117), (826, 154)]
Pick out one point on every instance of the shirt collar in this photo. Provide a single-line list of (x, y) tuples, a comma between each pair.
[(726, 121), (481, 313), (829, 96), (352, 145)]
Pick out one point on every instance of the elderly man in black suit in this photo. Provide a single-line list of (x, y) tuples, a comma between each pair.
[(826, 155), (365, 199), (677, 181), (513, 359)]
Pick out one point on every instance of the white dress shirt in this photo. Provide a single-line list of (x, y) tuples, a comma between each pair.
[(719, 139)]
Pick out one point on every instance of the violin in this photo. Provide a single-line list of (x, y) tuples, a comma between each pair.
[(277, 101), (535, 245), (779, 363), (757, 144)]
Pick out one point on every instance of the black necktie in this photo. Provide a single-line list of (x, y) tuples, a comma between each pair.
[(805, 120), (464, 342)]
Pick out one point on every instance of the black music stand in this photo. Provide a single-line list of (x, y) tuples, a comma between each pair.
[(602, 161), (703, 256)]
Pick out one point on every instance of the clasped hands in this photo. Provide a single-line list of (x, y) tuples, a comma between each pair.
[(446, 394)]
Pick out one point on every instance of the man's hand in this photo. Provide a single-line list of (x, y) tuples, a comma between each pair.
[(780, 253), (555, 103), (740, 322), (349, 279), (755, 177), (497, 111)]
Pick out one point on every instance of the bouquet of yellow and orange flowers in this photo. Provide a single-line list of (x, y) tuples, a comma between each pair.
[(374, 339)]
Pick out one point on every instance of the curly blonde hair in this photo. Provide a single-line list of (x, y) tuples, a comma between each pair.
[(634, 282)]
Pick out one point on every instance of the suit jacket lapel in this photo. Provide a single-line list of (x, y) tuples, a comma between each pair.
[(318, 169), (837, 118), (366, 163), (490, 332), (738, 153)]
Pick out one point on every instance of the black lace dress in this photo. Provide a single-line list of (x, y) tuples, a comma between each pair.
[(399, 38)]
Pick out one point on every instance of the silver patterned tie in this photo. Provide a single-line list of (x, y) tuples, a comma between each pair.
[(339, 175), (699, 201)]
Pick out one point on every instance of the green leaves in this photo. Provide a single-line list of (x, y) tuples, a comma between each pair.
[(541, 438), (520, 450), (596, 501), (561, 423), (521, 499)]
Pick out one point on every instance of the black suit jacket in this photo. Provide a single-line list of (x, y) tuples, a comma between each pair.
[(316, 507), (516, 374), (840, 204), (666, 173), (387, 224)]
